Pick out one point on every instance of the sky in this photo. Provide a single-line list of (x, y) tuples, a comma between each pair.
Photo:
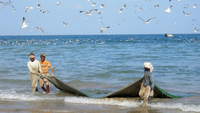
[(126, 22)]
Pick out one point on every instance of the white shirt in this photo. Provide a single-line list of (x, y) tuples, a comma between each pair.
[(34, 67)]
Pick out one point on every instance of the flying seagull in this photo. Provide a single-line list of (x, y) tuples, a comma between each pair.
[(88, 13), (195, 6), (23, 23), (38, 6), (102, 6), (141, 9), (169, 35), (100, 12), (169, 9), (58, 3), (125, 6), (40, 29), (93, 4), (120, 10), (89, 0), (65, 23), (41, 10), (3, 3), (186, 14), (146, 22), (104, 28), (196, 30), (100, 18), (156, 5), (45, 12), (28, 8)]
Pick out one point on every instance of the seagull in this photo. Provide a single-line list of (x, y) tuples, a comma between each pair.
[(45, 12), (93, 4), (65, 23), (185, 7), (89, 0), (7, 3), (137, 5), (179, 0), (3, 3), (141, 9), (169, 9), (41, 10), (100, 18), (102, 23), (38, 6), (40, 29), (100, 12), (102, 6), (195, 6), (23, 23), (104, 28), (186, 14), (28, 8), (156, 5), (120, 10), (146, 22), (134, 12), (58, 3), (88, 13), (169, 35), (196, 30), (125, 6)]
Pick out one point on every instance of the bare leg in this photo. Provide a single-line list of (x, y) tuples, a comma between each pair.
[(146, 95), (142, 91), (44, 88), (47, 88)]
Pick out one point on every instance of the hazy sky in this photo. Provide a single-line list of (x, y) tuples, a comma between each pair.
[(120, 23)]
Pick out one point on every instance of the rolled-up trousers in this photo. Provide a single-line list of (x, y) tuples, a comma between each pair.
[(144, 93), (34, 81)]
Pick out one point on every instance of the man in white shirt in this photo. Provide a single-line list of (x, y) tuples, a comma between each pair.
[(34, 71)]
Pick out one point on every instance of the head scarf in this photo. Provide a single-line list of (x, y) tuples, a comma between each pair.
[(42, 55), (149, 66), (31, 55)]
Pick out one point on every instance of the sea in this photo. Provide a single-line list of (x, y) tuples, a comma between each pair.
[(99, 65)]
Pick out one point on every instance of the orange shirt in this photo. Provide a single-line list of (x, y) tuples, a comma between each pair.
[(45, 65)]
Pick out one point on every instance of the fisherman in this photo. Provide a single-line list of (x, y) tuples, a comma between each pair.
[(34, 71), (147, 86), (45, 65)]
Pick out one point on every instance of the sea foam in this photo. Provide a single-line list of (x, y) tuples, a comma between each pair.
[(132, 103)]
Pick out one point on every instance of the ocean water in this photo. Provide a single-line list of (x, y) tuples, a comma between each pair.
[(101, 64)]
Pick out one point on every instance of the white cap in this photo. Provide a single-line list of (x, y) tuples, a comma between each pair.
[(149, 66)]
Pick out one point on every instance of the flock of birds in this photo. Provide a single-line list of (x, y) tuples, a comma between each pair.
[(89, 13)]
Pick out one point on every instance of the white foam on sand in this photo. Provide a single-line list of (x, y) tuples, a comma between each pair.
[(181, 106), (132, 103), (105, 101), (12, 95)]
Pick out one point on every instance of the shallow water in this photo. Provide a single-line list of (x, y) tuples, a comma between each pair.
[(101, 64)]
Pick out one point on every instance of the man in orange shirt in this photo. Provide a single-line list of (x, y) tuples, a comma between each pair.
[(45, 65)]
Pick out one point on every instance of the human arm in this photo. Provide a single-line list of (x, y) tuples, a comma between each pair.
[(52, 71), (152, 84), (40, 70)]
